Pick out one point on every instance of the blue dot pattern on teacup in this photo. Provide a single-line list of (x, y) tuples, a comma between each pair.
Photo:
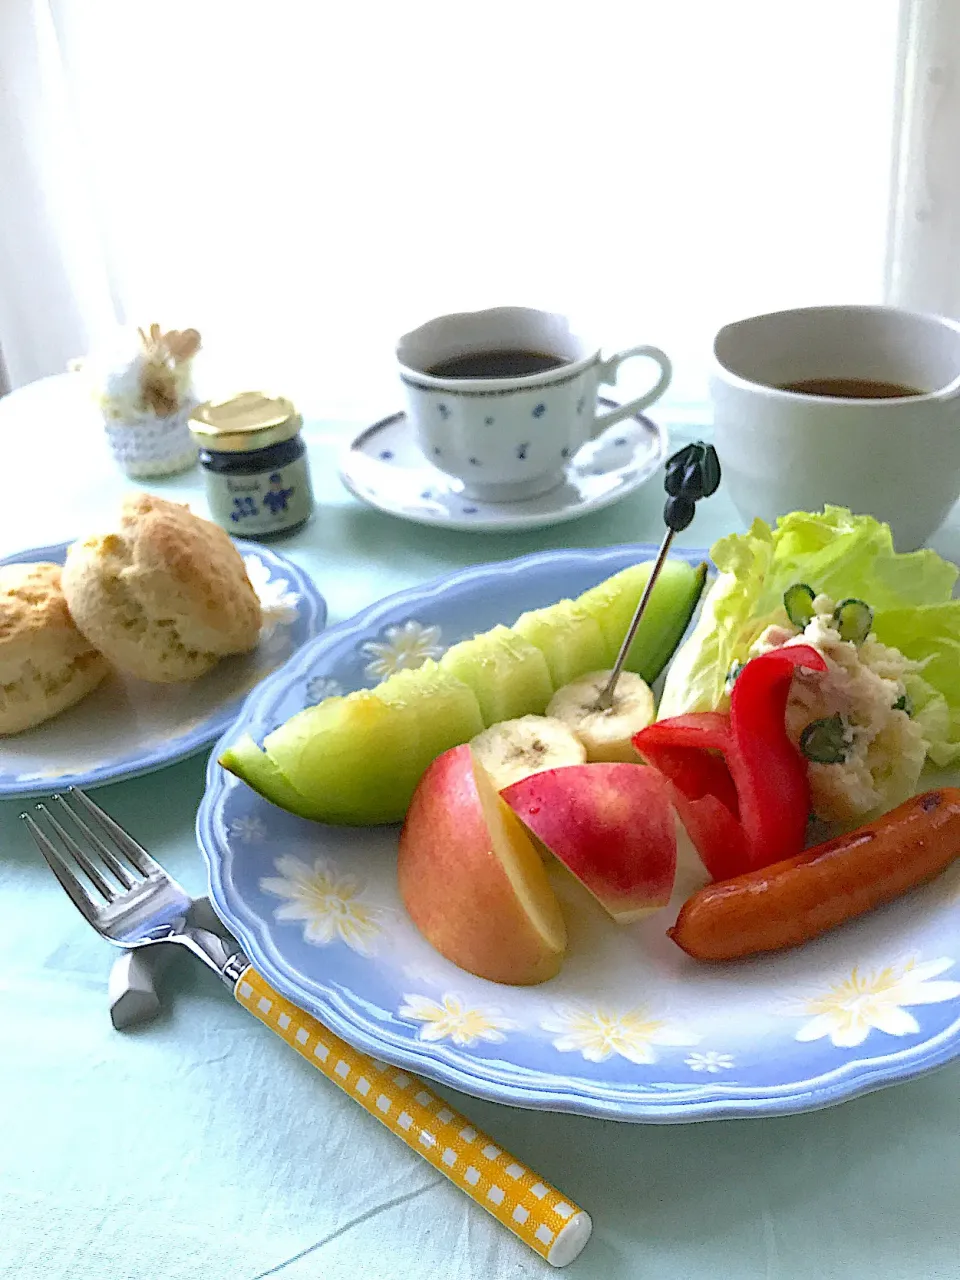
[(501, 444)]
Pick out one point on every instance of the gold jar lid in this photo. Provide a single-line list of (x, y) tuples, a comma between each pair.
[(251, 420)]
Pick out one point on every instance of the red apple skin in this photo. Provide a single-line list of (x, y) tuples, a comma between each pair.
[(611, 825), (453, 881)]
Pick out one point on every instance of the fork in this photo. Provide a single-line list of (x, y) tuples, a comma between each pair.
[(133, 902)]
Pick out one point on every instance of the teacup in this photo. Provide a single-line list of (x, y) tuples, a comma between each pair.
[(502, 399), (857, 406)]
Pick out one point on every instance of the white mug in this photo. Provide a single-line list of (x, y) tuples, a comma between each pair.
[(896, 458), (509, 438)]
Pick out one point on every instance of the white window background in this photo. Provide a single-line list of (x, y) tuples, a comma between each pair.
[(305, 180)]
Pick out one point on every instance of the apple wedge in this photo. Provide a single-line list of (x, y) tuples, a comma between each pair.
[(473, 882), (611, 825)]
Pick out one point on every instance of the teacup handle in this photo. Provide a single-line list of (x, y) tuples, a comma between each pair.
[(608, 376)]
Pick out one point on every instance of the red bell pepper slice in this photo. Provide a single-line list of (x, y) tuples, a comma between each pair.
[(739, 784)]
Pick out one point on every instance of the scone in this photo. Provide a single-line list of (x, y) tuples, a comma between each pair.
[(46, 665), (165, 596)]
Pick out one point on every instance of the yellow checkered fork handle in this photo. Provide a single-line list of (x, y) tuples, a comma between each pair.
[(553, 1226)]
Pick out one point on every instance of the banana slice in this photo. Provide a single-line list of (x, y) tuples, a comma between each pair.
[(606, 735), (513, 749)]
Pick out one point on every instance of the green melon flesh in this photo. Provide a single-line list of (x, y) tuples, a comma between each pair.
[(569, 638), (446, 710), (356, 760), (254, 766), (509, 676), (356, 757), (614, 602)]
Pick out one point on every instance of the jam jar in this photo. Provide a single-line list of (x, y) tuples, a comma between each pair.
[(254, 464)]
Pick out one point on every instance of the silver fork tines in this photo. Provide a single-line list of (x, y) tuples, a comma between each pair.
[(118, 887), (58, 865), (142, 860), (99, 882), (107, 874)]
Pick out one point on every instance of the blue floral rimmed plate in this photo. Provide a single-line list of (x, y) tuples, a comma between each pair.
[(128, 727), (631, 1028)]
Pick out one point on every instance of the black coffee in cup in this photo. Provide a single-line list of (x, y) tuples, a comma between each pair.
[(496, 364)]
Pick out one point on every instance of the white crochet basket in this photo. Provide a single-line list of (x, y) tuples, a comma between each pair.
[(152, 446)]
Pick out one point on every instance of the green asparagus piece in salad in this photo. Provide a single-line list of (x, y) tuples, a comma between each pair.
[(825, 741), (798, 602), (854, 620)]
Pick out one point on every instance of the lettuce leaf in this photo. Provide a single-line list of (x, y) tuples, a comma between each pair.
[(842, 555)]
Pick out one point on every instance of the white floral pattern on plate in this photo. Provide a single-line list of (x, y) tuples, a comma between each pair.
[(327, 901), (450, 1018), (403, 649), (273, 641), (710, 1060), (320, 687), (873, 1000), (278, 604), (248, 829), (598, 1033)]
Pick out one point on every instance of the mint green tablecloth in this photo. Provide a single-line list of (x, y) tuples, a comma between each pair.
[(200, 1146)]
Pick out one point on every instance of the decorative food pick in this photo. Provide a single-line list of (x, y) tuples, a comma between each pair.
[(691, 474)]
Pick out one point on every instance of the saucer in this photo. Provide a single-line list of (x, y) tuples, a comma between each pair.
[(385, 468)]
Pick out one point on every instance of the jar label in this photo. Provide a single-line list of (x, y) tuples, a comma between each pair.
[(265, 502)]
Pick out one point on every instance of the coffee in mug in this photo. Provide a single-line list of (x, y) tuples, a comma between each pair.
[(851, 389), (855, 406)]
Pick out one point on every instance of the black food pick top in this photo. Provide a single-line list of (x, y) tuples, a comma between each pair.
[(691, 474)]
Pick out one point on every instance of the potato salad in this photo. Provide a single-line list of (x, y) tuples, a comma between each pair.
[(886, 624), (868, 753)]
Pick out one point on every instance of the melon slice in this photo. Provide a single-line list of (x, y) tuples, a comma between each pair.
[(508, 674), (570, 639)]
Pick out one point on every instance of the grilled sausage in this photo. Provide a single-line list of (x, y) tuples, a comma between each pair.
[(790, 902)]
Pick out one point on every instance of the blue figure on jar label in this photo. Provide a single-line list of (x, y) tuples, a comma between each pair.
[(277, 497), (242, 508)]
